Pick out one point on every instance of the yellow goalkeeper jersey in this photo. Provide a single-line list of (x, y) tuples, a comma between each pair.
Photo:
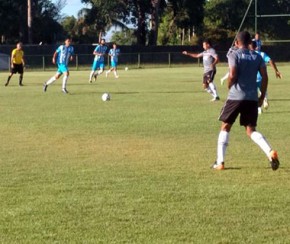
[(17, 56)]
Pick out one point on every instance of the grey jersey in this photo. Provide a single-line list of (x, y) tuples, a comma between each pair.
[(209, 56), (247, 63)]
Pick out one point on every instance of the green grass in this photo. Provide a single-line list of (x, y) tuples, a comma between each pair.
[(75, 169)]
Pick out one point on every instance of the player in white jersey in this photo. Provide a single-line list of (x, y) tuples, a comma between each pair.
[(114, 53), (99, 60), (210, 59), (62, 56)]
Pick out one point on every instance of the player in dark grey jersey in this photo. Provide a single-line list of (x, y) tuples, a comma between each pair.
[(210, 59), (243, 99)]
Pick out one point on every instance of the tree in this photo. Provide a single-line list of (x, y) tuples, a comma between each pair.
[(104, 14), (15, 26), (182, 19), (223, 18)]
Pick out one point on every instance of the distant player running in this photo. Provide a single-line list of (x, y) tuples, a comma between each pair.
[(114, 53), (99, 60), (210, 59), (61, 57), (17, 64)]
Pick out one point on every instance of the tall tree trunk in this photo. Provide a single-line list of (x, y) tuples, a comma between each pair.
[(154, 22), (29, 21), (141, 26)]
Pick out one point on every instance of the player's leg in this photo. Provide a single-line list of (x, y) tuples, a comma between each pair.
[(249, 117), (228, 117), (94, 68), (212, 86), (12, 72), (20, 71), (51, 80), (64, 80), (225, 77), (205, 84), (115, 70), (8, 79), (101, 70)]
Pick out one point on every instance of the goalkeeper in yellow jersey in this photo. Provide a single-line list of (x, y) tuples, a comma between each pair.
[(17, 64)]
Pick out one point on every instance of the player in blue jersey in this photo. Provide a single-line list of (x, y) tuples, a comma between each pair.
[(99, 60), (258, 41), (267, 60), (114, 53), (243, 100), (210, 59), (62, 56)]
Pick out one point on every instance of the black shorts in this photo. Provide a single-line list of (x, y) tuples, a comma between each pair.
[(248, 111), (17, 68), (209, 76)]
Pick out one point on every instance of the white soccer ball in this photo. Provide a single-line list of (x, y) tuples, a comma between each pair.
[(126, 68), (106, 97)]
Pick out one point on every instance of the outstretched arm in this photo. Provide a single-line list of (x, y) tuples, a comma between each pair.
[(273, 65), (193, 55)]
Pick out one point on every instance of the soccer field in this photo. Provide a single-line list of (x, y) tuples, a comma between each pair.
[(136, 169)]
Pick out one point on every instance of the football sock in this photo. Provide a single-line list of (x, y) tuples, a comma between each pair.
[(64, 81), (209, 91), (223, 141), (8, 79), (259, 139), (91, 75), (115, 73), (20, 79), (225, 76), (51, 80), (213, 88)]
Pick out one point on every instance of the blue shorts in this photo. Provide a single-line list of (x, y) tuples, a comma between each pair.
[(62, 68), (98, 65), (114, 64)]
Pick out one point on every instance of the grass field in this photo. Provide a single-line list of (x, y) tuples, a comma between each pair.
[(75, 169)]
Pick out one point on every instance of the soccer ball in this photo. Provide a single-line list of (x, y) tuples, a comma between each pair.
[(106, 97), (126, 68)]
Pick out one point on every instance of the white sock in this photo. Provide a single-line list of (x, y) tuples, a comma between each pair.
[(223, 141), (91, 75), (115, 73), (213, 88), (209, 91), (64, 81), (51, 80), (259, 139), (225, 76)]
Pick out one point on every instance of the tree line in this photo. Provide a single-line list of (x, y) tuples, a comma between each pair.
[(141, 22)]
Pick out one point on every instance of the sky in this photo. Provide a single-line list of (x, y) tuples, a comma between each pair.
[(72, 7)]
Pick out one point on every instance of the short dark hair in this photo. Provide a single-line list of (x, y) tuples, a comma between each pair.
[(208, 41), (244, 38), (254, 44)]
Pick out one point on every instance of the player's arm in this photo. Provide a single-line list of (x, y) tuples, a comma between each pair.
[(216, 60), (264, 84), (193, 55), (277, 72), (233, 74), (23, 61), (54, 57), (13, 55)]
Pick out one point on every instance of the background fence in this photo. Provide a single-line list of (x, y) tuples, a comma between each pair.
[(84, 61)]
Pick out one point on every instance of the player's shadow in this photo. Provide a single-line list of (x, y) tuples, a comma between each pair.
[(233, 168)]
